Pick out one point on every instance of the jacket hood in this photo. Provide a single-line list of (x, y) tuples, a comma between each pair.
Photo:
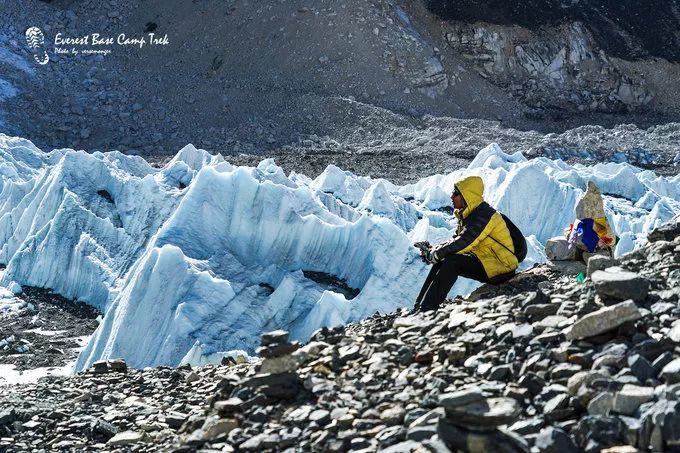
[(472, 190)]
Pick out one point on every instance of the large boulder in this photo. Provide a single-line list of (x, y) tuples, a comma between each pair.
[(559, 249)]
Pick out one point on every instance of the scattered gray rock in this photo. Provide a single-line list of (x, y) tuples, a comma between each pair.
[(671, 372), (641, 368), (593, 433), (630, 397), (554, 440), (619, 284), (601, 404), (674, 332), (128, 438), (599, 263), (603, 320)]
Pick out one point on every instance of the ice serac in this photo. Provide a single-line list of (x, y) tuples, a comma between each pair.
[(198, 258), (230, 262), (80, 223)]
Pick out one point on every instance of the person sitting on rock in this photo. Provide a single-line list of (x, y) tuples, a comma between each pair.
[(482, 248)]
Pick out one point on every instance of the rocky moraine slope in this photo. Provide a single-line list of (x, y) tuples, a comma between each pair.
[(543, 363)]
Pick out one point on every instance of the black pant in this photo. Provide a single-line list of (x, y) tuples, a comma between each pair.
[(443, 275)]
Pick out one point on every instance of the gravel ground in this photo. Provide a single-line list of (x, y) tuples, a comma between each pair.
[(48, 332), (440, 145)]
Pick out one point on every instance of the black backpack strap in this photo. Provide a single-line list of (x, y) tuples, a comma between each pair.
[(502, 245)]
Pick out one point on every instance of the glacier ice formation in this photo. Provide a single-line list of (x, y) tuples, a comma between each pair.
[(199, 257)]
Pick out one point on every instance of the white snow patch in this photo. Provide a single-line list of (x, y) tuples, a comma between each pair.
[(47, 333), (10, 376)]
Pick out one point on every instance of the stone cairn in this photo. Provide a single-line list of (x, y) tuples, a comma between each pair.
[(471, 422), (278, 377), (108, 366)]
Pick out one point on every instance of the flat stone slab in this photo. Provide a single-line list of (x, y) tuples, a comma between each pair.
[(460, 397), (128, 438), (118, 365), (275, 336), (229, 406), (604, 320), (568, 267), (485, 413)]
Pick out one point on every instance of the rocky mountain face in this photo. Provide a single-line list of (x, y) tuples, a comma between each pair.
[(591, 56), (624, 29), (327, 77), (543, 363), (558, 68)]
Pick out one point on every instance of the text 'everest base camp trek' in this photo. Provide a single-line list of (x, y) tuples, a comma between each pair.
[(242, 309)]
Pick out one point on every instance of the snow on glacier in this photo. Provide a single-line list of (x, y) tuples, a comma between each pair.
[(199, 257)]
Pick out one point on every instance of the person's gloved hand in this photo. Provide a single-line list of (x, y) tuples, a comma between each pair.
[(430, 256), (422, 246)]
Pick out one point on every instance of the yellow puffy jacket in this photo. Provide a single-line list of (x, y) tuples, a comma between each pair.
[(481, 231)]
